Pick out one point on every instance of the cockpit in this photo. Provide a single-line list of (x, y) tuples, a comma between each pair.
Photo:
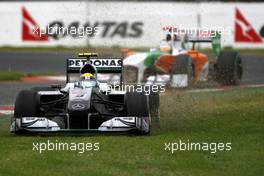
[(87, 84), (174, 44), (86, 81)]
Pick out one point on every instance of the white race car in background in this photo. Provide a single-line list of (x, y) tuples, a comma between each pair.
[(176, 65)]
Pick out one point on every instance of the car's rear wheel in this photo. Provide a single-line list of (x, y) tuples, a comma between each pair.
[(228, 69), (183, 66), (130, 74)]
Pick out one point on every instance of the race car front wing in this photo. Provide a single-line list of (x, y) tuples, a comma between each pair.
[(116, 124)]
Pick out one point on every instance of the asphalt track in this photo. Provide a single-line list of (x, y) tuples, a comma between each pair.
[(30, 62), (55, 62)]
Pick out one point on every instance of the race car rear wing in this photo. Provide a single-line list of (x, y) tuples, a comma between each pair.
[(213, 37), (101, 64), (197, 36)]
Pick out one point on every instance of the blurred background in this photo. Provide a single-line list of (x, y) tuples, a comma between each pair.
[(133, 24)]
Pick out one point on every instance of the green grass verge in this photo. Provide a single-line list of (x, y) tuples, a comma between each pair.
[(242, 52), (100, 50), (234, 116), (10, 76), (16, 76)]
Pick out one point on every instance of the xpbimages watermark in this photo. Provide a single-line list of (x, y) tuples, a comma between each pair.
[(79, 31), (211, 31), (79, 147), (140, 88), (211, 147)]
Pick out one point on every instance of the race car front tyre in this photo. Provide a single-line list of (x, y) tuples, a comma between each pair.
[(182, 71), (154, 102), (60, 121), (26, 104), (137, 106), (228, 69)]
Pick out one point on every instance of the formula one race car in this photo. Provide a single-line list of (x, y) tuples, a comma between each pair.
[(175, 65), (85, 105)]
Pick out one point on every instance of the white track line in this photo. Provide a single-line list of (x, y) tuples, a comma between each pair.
[(6, 112)]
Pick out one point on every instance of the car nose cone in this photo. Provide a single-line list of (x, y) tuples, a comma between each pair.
[(78, 106)]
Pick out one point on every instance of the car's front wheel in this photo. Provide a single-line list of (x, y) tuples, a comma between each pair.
[(26, 104), (137, 106)]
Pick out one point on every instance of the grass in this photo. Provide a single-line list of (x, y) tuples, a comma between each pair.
[(16, 76), (100, 50), (234, 116), (11, 76), (242, 52)]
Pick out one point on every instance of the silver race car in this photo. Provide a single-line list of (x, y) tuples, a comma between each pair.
[(85, 105)]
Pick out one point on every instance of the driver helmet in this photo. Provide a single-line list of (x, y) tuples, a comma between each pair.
[(86, 76), (87, 80), (165, 46), (176, 37)]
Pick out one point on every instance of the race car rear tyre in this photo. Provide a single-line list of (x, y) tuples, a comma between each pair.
[(228, 69), (130, 74), (183, 65), (26, 104)]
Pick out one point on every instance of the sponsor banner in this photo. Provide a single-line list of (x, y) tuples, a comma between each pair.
[(103, 65), (126, 24), (105, 62), (242, 23)]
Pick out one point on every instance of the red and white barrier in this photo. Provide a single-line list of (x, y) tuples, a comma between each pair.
[(126, 24)]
